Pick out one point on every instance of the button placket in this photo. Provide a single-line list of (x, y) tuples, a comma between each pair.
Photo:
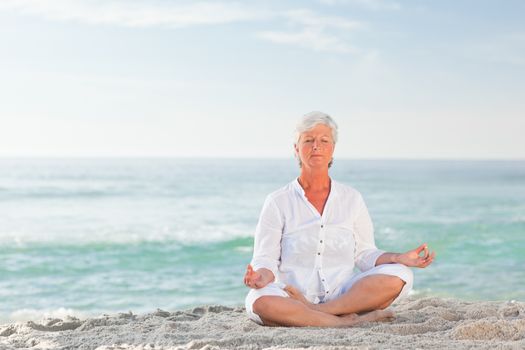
[(323, 281), (321, 246)]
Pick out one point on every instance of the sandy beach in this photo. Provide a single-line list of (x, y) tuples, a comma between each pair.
[(424, 323)]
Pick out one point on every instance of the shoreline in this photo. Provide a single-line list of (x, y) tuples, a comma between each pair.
[(427, 322)]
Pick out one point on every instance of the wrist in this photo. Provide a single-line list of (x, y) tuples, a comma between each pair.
[(395, 258)]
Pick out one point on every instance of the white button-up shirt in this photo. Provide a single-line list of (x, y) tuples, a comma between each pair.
[(315, 253)]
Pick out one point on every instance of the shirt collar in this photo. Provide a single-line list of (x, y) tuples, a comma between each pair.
[(299, 188)]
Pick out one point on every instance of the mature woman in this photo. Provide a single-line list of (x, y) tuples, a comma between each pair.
[(310, 236)]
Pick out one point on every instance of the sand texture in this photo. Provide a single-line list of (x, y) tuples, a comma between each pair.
[(426, 323)]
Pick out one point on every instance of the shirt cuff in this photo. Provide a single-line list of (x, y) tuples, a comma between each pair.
[(368, 258)]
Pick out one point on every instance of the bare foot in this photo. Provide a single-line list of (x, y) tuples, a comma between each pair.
[(377, 316), (349, 320)]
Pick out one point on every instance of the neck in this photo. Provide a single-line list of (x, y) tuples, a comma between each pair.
[(314, 179)]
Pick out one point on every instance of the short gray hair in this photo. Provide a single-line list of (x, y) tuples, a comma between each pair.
[(310, 120)]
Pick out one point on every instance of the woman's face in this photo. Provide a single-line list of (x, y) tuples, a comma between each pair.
[(315, 147)]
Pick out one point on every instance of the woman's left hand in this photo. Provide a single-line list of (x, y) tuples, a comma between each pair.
[(419, 257)]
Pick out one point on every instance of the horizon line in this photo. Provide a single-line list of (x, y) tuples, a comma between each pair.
[(153, 157)]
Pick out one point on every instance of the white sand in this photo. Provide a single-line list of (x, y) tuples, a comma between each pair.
[(428, 323)]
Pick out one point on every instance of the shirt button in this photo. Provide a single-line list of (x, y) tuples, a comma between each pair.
[(321, 241), (322, 226), (322, 280), (318, 253), (327, 292)]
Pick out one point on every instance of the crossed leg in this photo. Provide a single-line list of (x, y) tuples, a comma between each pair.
[(369, 295), (374, 292), (282, 311)]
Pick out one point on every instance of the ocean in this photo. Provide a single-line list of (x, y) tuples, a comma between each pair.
[(92, 236)]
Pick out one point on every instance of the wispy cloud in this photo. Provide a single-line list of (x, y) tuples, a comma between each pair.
[(303, 27), (376, 5), (312, 31), (311, 19), (134, 14)]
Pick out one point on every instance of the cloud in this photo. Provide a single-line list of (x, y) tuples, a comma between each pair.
[(312, 31), (376, 5), (313, 20), (134, 13), (305, 28)]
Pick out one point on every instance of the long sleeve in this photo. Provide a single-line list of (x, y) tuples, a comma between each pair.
[(267, 245), (366, 250)]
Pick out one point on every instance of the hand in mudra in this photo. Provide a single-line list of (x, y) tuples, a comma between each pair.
[(253, 279), (419, 257)]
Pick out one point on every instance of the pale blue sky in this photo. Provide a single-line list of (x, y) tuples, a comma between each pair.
[(403, 79)]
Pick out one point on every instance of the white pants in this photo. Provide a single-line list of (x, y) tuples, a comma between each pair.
[(276, 288)]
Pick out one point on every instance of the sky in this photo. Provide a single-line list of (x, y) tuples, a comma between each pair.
[(137, 78)]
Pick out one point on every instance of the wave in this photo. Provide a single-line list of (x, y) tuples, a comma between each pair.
[(242, 240), (60, 192)]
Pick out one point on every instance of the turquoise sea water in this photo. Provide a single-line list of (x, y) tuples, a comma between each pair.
[(92, 236)]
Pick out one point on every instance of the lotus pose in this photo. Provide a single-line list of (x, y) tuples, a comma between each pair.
[(310, 236)]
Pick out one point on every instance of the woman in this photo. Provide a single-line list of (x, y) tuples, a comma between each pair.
[(311, 233)]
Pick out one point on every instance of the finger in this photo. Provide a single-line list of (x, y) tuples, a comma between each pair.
[(258, 283), (426, 252), (250, 277), (247, 276), (430, 257), (428, 262), (290, 290), (421, 248), (421, 262), (426, 265)]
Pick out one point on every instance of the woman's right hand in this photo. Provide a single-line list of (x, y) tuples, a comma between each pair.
[(257, 279)]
